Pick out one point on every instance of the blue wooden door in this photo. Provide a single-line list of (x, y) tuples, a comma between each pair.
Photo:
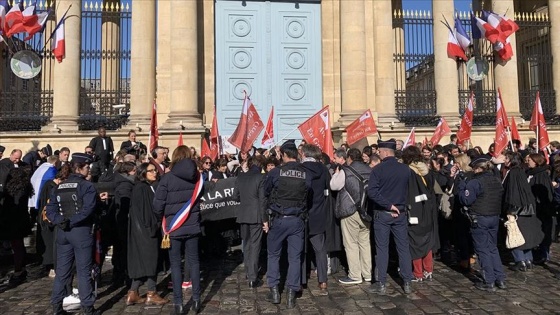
[(273, 51)]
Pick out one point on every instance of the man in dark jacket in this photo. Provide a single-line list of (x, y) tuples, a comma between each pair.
[(317, 210), (6, 164), (37, 157), (102, 146), (249, 191)]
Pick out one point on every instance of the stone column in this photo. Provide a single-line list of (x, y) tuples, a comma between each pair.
[(352, 59), (111, 44), (506, 72), (184, 71), (554, 16), (384, 44), (143, 62), (445, 69), (66, 83)]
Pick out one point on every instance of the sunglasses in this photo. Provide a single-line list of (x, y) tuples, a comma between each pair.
[(207, 163)]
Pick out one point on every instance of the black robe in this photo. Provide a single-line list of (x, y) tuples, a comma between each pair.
[(143, 233), (422, 235)]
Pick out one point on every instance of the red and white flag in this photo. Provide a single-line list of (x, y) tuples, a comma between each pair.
[(488, 31), (454, 49), (538, 124), (13, 22), (3, 10), (33, 22), (154, 132), (442, 129), (317, 130), (360, 128), (268, 137), (501, 137), (214, 138), (465, 130), (514, 132), (59, 45), (411, 139), (249, 127), (180, 141), (504, 50)]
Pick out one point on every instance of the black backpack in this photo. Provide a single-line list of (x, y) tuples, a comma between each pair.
[(362, 202)]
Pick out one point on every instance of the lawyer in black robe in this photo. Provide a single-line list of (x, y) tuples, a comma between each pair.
[(143, 240)]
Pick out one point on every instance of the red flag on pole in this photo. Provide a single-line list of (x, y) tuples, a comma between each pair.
[(441, 130), (501, 137), (317, 130), (514, 132), (249, 127), (214, 148), (205, 148), (360, 128), (465, 129), (268, 137), (154, 133), (425, 142), (411, 139), (538, 124), (180, 141)]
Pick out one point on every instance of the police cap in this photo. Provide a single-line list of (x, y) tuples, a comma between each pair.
[(388, 144), (81, 158), (2, 148), (478, 160), (288, 145)]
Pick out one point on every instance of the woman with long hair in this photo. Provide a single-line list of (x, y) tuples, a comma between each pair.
[(15, 221), (179, 193), (520, 202), (143, 240), (422, 227), (541, 185)]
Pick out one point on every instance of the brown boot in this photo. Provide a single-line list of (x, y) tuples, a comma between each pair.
[(154, 299), (133, 298)]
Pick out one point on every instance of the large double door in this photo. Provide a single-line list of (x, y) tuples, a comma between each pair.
[(271, 50)]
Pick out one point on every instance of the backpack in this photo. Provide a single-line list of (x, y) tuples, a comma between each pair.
[(362, 202)]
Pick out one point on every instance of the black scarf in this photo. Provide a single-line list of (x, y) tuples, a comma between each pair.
[(517, 192)]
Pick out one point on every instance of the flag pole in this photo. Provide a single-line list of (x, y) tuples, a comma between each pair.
[(57, 26), (284, 137), (537, 131)]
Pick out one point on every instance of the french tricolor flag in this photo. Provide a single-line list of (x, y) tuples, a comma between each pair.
[(59, 47), (13, 22), (461, 35), (33, 22), (454, 50), (487, 31)]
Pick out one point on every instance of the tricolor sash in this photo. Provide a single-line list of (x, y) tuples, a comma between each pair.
[(181, 216)]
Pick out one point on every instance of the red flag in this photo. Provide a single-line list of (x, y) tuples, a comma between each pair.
[(317, 130), (539, 125), (205, 148), (514, 132), (214, 148), (411, 139), (425, 142), (465, 129), (441, 130), (154, 133), (268, 137), (454, 50), (180, 141), (249, 127), (501, 137), (360, 128)]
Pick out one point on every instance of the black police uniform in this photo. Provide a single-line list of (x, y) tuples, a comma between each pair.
[(71, 207), (286, 188), (388, 185), (483, 195)]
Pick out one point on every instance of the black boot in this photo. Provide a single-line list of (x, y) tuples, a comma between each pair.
[(519, 266), (58, 310), (179, 309), (90, 310), (273, 296), (291, 303), (196, 306)]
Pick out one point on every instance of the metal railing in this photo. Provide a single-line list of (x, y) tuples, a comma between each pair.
[(105, 64)]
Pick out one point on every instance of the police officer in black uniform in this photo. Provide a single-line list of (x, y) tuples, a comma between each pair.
[(483, 196), (286, 188), (388, 189), (71, 208)]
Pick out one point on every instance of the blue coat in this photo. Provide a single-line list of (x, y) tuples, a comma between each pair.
[(173, 191)]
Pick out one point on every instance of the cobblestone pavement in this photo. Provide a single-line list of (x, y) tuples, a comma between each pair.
[(225, 291)]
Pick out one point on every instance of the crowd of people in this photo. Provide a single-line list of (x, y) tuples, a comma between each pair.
[(327, 214)]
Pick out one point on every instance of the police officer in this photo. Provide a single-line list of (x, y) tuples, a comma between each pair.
[(483, 195), (388, 189), (71, 208), (286, 188)]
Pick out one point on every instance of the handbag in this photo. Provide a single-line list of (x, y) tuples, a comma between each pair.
[(514, 237)]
